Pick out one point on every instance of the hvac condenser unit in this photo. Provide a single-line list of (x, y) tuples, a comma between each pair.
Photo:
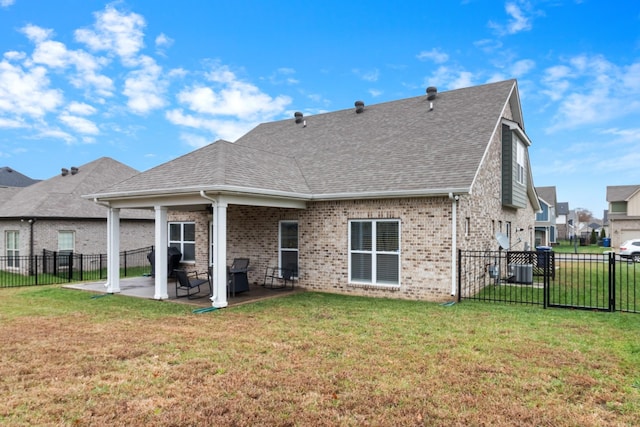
[(521, 273)]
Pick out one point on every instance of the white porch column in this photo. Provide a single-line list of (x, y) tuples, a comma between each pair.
[(113, 250), (219, 298), (160, 263)]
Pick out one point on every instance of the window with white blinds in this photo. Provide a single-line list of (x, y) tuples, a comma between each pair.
[(374, 252)]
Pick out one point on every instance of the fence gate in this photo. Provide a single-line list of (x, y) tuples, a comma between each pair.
[(580, 281)]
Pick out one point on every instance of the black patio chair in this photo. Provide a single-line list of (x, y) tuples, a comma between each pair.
[(188, 282)]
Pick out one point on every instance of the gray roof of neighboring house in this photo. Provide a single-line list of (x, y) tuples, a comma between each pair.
[(548, 194), (562, 208), (400, 147), (60, 196), (621, 193), (12, 178)]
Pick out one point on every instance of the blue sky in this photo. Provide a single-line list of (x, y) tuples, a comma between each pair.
[(145, 81)]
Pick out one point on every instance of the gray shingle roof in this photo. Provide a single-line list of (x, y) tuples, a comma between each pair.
[(620, 193), (400, 146), (61, 196), (12, 178), (548, 194)]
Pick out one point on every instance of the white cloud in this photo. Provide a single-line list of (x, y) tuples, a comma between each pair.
[(445, 77), (6, 3), (435, 55), (81, 109), (375, 92), (229, 96), (55, 55), (591, 90), (115, 32), (195, 141), (145, 87), (369, 76), (229, 129), (26, 91), (79, 124), (11, 123), (36, 34), (522, 67), (163, 41), (518, 19)]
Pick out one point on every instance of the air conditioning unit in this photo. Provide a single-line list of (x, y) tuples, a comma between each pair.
[(521, 273)]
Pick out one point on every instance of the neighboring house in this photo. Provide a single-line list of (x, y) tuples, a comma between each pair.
[(624, 213), (605, 222), (51, 214), (13, 178), (546, 231), (372, 200), (562, 220)]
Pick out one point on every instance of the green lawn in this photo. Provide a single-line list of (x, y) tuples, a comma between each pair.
[(564, 246), (70, 359)]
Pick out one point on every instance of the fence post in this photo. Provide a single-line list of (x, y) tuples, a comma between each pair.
[(459, 272), (612, 281), (545, 278), (125, 263)]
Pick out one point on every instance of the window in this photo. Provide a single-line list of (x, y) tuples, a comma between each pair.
[(288, 246), (66, 241), (520, 154), (182, 235), (467, 226), (374, 252), (12, 239)]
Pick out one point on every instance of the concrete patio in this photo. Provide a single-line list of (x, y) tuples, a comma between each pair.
[(144, 287)]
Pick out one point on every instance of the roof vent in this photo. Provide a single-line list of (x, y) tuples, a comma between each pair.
[(298, 116), (431, 93), (74, 170), (359, 107), (65, 171)]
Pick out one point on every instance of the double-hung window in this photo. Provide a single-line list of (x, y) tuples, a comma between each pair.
[(12, 239), (520, 161), (288, 246), (374, 252), (182, 235)]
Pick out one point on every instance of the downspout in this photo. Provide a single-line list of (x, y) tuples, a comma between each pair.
[(32, 221), (214, 295), (454, 234)]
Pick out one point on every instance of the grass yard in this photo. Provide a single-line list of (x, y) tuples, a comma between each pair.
[(312, 359)]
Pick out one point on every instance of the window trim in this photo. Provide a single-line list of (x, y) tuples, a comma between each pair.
[(281, 249), (72, 233), (181, 242), (13, 260), (373, 252)]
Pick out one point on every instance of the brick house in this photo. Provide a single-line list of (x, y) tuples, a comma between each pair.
[(52, 214), (546, 230), (372, 201), (624, 213)]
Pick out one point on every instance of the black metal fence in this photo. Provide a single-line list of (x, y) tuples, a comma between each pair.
[(60, 267), (583, 281)]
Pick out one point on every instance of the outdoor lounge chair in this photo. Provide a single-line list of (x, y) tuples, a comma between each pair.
[(280, 277), (189, 283)]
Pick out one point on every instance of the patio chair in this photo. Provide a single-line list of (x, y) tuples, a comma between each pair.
[(280, 277), (189, 283)]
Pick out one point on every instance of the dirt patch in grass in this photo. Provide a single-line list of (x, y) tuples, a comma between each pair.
[(310, 361)]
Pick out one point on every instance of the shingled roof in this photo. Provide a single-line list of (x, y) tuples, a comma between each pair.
[(621, 193), (412, 146), (61, 195), (12, 178)]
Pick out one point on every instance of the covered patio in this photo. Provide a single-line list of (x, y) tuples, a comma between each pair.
[(144, 287)]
